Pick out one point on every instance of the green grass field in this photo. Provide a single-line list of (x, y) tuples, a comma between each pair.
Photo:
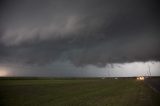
[(76, 92)]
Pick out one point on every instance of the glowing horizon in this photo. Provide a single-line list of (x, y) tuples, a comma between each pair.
[(67, 69)]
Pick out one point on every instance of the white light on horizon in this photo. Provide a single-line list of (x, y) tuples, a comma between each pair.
[(4, 72)]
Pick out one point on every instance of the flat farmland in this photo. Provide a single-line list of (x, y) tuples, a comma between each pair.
[(76, 92)]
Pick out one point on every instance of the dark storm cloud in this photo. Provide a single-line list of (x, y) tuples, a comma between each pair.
[(82, 31)]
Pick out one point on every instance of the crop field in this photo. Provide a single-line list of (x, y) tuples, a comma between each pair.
[(76, 92)]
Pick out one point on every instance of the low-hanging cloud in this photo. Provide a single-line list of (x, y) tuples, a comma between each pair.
[(83, 32)]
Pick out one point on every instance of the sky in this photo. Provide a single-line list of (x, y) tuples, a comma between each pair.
[(81, 38)]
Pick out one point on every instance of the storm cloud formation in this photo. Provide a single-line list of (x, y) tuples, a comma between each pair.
[(84, 32)]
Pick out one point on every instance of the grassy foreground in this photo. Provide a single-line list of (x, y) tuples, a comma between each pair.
[(77, 92)]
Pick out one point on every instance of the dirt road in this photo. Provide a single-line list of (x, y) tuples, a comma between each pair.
[(154, 83)]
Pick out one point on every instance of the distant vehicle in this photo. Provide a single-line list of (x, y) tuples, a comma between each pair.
[(140, 78)]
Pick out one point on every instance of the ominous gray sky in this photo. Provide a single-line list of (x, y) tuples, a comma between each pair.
[(81, 33)]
